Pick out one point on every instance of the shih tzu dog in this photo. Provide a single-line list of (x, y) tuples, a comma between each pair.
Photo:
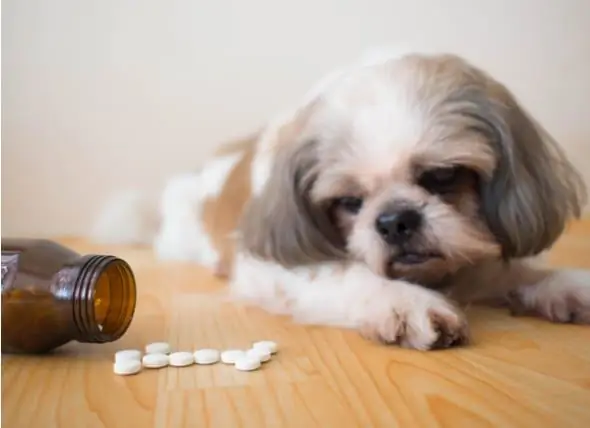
[(399, 189)]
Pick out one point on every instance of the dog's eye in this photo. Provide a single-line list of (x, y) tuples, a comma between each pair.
[(351, 204), (439, 180)]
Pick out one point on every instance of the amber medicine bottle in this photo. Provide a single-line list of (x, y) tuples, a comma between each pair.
[(52, 295)]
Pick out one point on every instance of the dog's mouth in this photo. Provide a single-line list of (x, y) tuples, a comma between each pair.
[(410, 258), (418, 266)]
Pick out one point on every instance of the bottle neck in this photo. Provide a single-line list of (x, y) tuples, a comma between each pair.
[(104, 298)]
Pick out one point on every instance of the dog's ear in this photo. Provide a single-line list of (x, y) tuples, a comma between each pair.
[(283, 223), (534, 190)]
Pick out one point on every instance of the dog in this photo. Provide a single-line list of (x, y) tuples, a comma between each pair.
[(396, 191)]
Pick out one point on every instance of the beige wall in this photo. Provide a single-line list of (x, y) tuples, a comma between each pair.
[(103, 95)]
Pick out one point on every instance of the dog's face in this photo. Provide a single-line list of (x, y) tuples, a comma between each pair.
[(416, 166)]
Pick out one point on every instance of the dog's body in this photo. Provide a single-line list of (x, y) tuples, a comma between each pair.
[(397, 190)]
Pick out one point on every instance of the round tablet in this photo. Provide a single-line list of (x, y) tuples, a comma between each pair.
[(128, 354), (127, 367), (247, 363), (155, 361), (269, 345), (157, 348), (231, 355), (206, 356), (261, 353), (181, 359)]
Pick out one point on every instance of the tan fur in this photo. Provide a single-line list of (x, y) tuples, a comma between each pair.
[(221, 214)]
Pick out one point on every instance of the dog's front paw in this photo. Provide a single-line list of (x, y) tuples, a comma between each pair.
[(425, 321), (564, 297)]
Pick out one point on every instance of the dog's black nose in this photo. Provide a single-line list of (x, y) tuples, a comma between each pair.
[(397, 227)]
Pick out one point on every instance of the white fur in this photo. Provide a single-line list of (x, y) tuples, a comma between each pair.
[(264, 156), (348, 296)]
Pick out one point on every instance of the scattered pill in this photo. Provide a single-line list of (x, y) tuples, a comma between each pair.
[(181, 359), (231, 355), (158, 354), (247, 363), (157, 348), (127, 367), (155, 361), (206, 356), (269, 345), (128, 354), (262, 354)]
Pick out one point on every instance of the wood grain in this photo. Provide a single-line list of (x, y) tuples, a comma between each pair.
[(520, 372)]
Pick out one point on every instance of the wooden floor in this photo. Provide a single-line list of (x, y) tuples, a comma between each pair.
[(518, 373)]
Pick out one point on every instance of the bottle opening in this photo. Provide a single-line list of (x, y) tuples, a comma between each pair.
[(106, 297), (111, 299)]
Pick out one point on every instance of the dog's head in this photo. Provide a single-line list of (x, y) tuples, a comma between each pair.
[(417, 166)]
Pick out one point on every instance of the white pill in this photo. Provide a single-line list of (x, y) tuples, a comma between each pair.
[(269, 345), (247, 363), (127, 367), (231, 355), (157, 348), (206, 356), (155, 361), (128, 354), (262, 354), (181, 359)]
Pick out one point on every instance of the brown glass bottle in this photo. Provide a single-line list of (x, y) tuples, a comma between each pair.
[(52, 295)]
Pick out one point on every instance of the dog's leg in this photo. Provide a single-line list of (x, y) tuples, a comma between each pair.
[(561, 295), (529, 288), (393, 312)]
